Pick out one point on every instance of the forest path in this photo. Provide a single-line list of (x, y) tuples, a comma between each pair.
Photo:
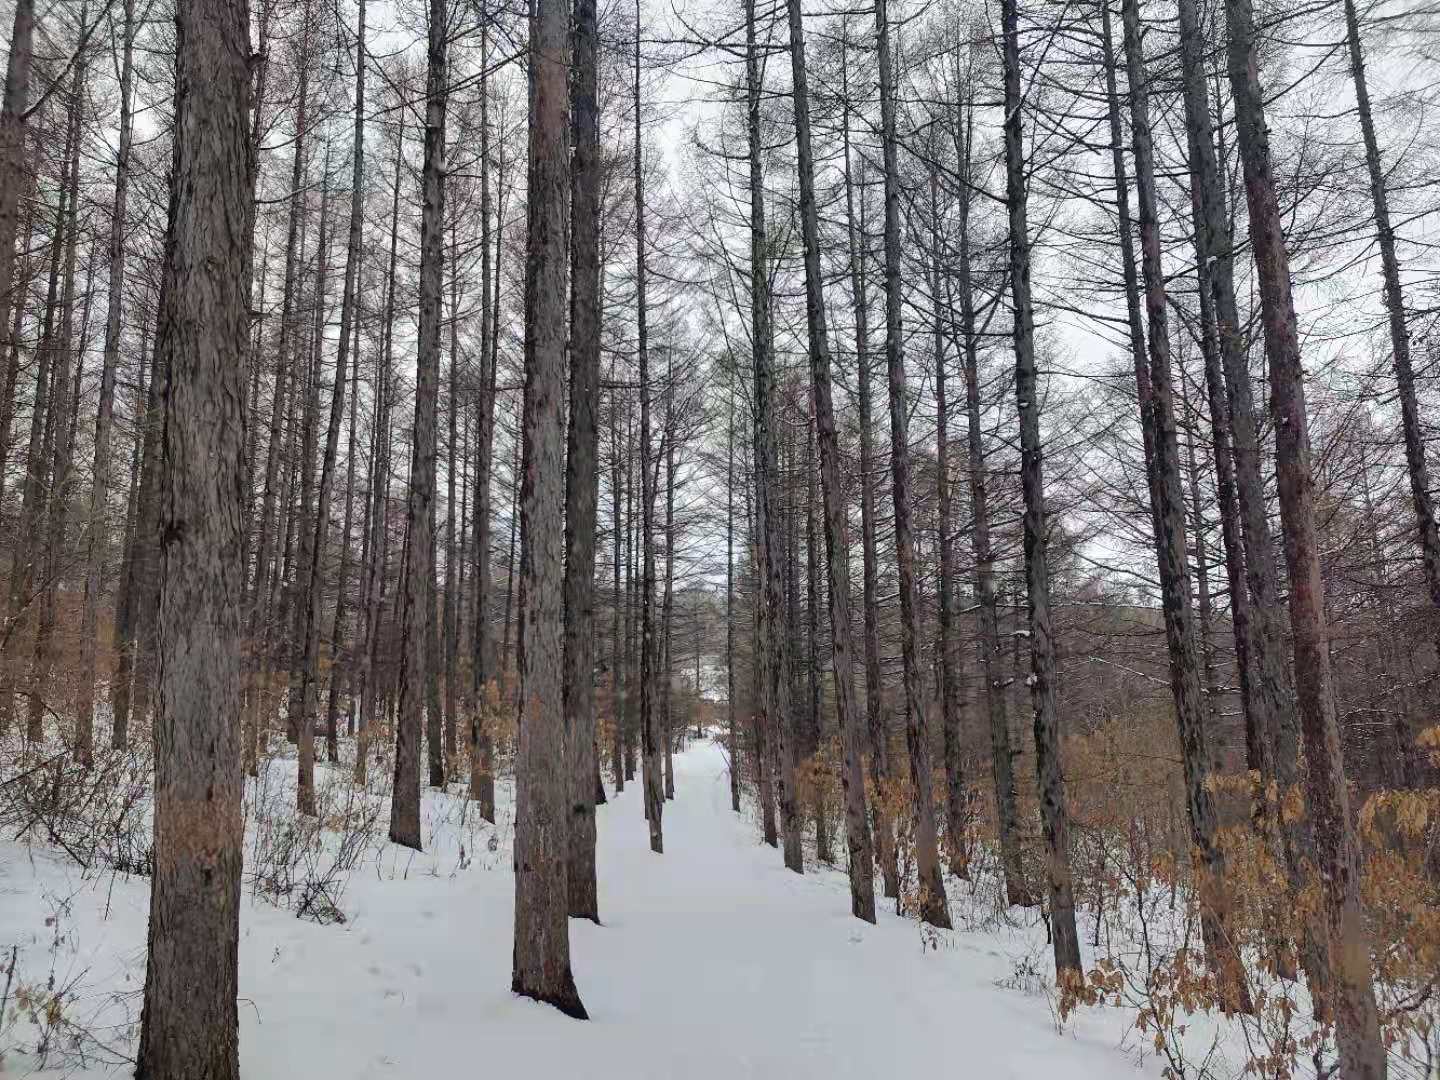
[(713, 962)]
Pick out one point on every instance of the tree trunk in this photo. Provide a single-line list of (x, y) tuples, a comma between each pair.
[(837, 541), (650, 723), (667, 604), (1420, 495), (1357, 1021), (1053, 814), (482, 776), (732, 733), (1172, 562), (957, 810), (96, 531), (542, 776), (420, 515), (876, 718), (1017, 891), (13, 117), (582, 465), (377, 572), (314, 524), (60, 438), (618, 624), (933, 906), (189, 1023)]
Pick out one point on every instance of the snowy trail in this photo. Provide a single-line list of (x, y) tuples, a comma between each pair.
[(713, 962)]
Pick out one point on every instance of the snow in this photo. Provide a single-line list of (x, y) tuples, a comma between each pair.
[(713, 961)]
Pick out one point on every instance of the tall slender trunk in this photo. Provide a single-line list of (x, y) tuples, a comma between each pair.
[(667, 603), (774, 712), (876, 717), (1425, 527), (650, 723), (582, 465), (189, 1024), (618, 625), (837, 541), (1273, 739), (1170, 542), (1327, 799), (1002, 763), (13, 116), (23, 556), (267, 529), (933, 906), (482, 777), (342, 673), (377, 573), (314, 524), (957, 810), (60, 425), (541, 968), (1053, 814), (96, 531), (732, 733), (417, 631)]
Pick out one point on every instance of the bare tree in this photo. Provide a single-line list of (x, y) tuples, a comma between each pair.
[(542, 776), (1327, 799), (189, 1026)]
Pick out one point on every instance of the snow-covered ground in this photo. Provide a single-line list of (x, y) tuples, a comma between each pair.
[(713, 961)]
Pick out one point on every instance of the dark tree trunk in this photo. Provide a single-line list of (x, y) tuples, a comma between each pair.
[(542, 777), (1419, 470), (618, 623), (933, 906), (1357, 1021), (1053, 814), (60, 432), (957, 810), (418, 631), (582, 465), (1172, 557), (667, 604), (314, 522), (1273, 741), (189, 1023), (876, 717), (650, 723), (377, 573), (482, 776), (837, 541), (1002, 762), (96, 527)]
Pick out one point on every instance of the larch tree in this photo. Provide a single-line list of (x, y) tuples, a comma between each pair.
[(541, 968), (189, 1023), (1327, 798)]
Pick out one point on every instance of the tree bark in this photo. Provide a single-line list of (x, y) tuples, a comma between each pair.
[(1170, 543), (837, 541), (1053, 814), (1357, 1021), (582, 465), (876, 717), (189, 1023), (96, 532), (419, 573), (482, 777), (650, 723), (542, 934), (1420, 496), (933, 906), (957, 809)]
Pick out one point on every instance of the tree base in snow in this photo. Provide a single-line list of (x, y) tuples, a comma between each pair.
[(567, 1000)]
